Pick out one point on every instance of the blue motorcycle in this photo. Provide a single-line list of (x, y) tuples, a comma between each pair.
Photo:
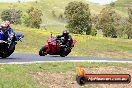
[(7, 48)]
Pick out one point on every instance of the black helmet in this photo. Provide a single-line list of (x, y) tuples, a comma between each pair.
[(65, 32)]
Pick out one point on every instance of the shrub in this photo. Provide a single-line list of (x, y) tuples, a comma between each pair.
[(12, 15), (78, 17), (33, 18)]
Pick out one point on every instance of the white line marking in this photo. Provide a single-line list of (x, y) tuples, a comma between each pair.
[(67, 61)]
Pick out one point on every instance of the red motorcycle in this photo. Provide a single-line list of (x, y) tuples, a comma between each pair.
[(55, 47)]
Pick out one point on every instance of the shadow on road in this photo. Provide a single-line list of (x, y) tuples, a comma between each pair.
[(8, 58), (54, 56)]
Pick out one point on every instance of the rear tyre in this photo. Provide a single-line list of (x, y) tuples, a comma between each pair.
[(42, 51)]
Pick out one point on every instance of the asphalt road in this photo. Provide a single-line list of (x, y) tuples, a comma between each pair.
[(21, 58)]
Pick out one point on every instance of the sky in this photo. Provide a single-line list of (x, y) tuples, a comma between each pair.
[(102, 2), (13, 0)]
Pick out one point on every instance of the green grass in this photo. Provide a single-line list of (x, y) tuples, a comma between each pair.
[(58, 6), (90, 46), (18, 76), (21, 6), (54, 67), (108, 47), (47, 6), (86, 45), (15, 76)]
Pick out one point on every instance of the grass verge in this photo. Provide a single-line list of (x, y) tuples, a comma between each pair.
[(24, 76), (86, 45)]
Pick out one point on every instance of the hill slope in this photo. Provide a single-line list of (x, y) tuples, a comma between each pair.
[(122, 5), (90, 46), (47, 6), (58, 6)]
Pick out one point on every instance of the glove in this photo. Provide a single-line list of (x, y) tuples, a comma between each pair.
[(9, 40), (63, 46), (1, 41)]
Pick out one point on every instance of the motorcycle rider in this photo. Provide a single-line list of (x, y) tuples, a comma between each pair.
[(6, 31), (67, 38)]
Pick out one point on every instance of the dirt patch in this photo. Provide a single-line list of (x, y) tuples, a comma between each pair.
[(112, 54), (56, 80), (67, 80), (116, 54)]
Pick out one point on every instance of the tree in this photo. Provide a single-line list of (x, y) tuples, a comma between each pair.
[(6, 15), (12, 15), (128, 29), (120, 29), (19, 1), (26, 20), (112, 4), (78, 16), (108, 21), (53, 13), (95, 21), (130, 14), (93, 31), (33, 18), (16, 16)]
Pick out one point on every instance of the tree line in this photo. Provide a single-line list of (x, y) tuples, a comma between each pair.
[(79, 19), (32, 17), (111, 23)]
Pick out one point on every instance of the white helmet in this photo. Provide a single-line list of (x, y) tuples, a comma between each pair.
[(5, 24)]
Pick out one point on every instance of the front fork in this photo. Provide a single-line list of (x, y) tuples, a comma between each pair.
[(12, 45)]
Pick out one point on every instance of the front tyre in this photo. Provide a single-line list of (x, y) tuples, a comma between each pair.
[(42, 51), (63, 52), (5, 55), (62, 55)]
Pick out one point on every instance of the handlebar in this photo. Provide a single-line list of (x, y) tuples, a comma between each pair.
[(19, 36), (2, 41), (20, 39)]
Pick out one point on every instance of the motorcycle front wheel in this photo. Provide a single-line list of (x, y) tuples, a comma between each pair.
[(5, 55), (42, 51), (65, 51)]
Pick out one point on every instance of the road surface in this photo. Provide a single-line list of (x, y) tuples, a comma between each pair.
[(21, 58)]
